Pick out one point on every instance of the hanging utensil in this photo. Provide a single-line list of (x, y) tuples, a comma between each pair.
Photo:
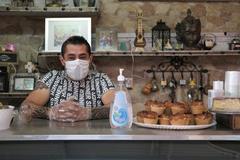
[(182, 81), (172, 83), (192, 81), (191, 93), (147, 88), (208, 86), (154, 81), (163, 82)]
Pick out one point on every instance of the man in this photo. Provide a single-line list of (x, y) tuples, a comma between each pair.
[(73, 94)]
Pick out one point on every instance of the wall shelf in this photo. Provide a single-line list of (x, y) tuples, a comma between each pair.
[(13, 95), (50, 11), (155, 53)]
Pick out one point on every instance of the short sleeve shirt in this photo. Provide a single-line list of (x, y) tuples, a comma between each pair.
[(87, 92)]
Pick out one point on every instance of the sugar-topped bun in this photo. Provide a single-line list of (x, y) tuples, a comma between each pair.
[(178, 108), (148, 104), (197, 107), (179, 119), (158, 108), (149, 117), (164, 119), (202, 119)]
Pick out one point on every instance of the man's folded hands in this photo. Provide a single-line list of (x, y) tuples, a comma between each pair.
[(69, 111)]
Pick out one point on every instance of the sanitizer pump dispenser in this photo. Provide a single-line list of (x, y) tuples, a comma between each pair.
[(121, 115)]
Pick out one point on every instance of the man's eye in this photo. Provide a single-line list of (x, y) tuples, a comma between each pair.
[(83, 58), (71, 58)]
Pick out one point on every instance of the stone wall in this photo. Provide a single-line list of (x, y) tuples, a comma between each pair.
[(215, 17), (28, 34)]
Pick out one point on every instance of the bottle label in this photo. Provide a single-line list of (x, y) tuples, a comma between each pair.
[(120, 116)]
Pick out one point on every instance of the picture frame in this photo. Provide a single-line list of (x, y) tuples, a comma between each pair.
[(83, 3), (106, 39), (57, 30), (23, 82)]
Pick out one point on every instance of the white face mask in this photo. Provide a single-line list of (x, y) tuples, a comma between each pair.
[(77, 69)]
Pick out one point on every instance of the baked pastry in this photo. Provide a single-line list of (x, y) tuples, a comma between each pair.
[(168, 106), (202, 119), (148, 117), (157, 107), (164, 120), (178, 108), (226, 104), (179, 119), (197, 107), (190, 118), (148, 104)]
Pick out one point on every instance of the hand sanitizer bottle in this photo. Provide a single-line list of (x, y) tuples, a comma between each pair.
[(121, 109)]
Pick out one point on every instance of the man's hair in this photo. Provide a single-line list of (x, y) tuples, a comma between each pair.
[(75, 40)]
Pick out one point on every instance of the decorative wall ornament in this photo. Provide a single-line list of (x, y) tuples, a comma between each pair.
[(160, 35), (189, 31), (139, 41)]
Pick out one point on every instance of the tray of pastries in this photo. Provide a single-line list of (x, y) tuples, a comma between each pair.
[(177, 115)]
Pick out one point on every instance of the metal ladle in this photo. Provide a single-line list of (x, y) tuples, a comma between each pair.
[(154, 81)]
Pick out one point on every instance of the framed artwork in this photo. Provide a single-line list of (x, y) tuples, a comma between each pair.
[(22, 82), (57, 30), (83, 3), (106, 39)]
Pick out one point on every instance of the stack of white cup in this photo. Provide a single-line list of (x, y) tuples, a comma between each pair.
[(217, 91), (232, 83)]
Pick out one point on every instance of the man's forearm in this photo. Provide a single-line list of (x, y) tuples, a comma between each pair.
[(100, 113), (35, 110)]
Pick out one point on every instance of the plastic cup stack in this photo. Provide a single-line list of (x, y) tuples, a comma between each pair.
[(232, 83), (217, 91)]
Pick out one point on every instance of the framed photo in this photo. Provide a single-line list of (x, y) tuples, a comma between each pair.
[(57, 30), (106, 39), (83, 3), (23, 82)]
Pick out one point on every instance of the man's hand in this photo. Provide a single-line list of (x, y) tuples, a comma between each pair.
[(69, 111)]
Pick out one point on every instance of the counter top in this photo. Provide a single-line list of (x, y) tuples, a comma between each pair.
[(42, 130)]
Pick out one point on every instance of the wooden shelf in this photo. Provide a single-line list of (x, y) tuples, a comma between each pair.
[(50, 11), (155, 53), (13, 94)]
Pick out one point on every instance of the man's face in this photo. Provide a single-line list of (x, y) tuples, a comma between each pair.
[(73, 52)]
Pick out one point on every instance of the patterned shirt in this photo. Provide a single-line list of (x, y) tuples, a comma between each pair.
[(87, 92)]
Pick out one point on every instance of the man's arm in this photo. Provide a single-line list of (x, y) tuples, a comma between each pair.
[(30, 109), (103, 112), (100, 113), (33, 105)]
